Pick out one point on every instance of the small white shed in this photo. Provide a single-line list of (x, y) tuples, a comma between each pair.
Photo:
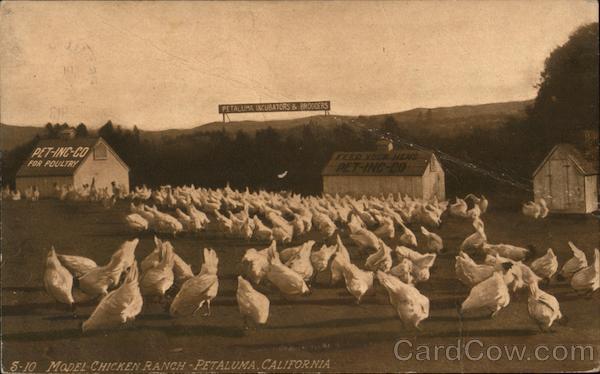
[(418, 174), (567, 181), (72, 161)]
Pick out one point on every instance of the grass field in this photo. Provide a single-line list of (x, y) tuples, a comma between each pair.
[(325, 325)]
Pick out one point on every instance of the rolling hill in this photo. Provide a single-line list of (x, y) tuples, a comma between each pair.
[(451, 121), (13, 136)]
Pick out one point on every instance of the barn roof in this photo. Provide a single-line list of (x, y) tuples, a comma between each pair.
[(585, 166), (60, 157), (396, 163)]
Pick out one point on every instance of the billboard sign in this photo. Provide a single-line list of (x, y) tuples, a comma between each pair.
[(297, 106)]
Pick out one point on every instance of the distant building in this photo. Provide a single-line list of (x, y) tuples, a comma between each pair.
[(67, 133), (72, 161), (418, 174), (567, 181)]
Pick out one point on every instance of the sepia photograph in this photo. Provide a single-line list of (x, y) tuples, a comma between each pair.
[(299, 186)]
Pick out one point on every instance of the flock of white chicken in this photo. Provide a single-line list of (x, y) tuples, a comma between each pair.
[(68, 192), (31, 194), (123, 285)]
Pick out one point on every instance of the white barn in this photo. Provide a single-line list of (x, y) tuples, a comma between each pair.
[(74, 162), (567, 181), (418, 174)]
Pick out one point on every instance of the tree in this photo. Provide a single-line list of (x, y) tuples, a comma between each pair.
[(107, 131), (81, 131), (567, 99), (136, 135), (49, 130)]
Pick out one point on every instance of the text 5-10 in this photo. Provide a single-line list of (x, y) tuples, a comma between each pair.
[(22, 366)]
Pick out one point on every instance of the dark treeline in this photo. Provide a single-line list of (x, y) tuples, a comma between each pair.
[(565, 110), (215, 158)]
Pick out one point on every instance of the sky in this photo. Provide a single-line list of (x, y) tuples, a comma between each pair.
[(164, 65)]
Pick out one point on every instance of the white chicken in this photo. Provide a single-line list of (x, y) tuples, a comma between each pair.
[(77, 265), (365, 239), (407, 238), (147, 214), (136, 222), (15, 195), (341, 255), (247, 229), (469, 272), (474, 212), (324, 224), (198, 290), (490, 295), (428, 215), (358, 282), (287, 281), (119, 306), (386, 229), (181, 269), (535, 209), (574, 264), (381, 259), (124, 257), (159, 277), (434, 241), (153, 257), (283, 231), (300, 261), (255, 264), (165, 223), (320, 259), (355, 224), (58, 281), (543, 308), (261, 232), (298, 225), (512, 252), (422, 263), (587, 280), (97, 281), (186, 220), (290, 252), (251, 303), (224, 224), (477, 239), (282, 235), (543, 208), (411, 305), (403, 271), (531, 209), (545, 266), (459, 208), (513, 277), (481, 202), (199, 219)]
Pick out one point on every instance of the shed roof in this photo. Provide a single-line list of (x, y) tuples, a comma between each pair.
[(60, 157), (585, 166), (396, 163)]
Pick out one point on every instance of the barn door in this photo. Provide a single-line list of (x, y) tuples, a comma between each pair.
[(576, 189), (558, 180)]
